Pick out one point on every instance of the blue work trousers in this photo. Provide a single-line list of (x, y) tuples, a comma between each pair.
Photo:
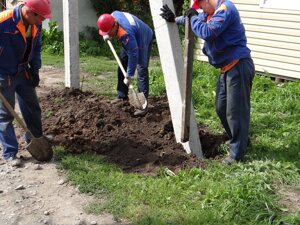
[(29, 107), (233, 105), (142, 76)]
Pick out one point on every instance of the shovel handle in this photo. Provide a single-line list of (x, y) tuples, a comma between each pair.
[(135, 96), (117, 57), (14, 114)]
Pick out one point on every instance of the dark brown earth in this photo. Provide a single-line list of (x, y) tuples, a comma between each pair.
[(85, 122)]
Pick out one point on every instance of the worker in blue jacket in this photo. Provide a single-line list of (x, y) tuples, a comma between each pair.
[(220, 26), (136, 39), (20, 61)]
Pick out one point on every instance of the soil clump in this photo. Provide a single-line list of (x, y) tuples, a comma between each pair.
[(85, 122)]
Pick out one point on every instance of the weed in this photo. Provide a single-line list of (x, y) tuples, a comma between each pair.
[(59, 100), (48, 113)]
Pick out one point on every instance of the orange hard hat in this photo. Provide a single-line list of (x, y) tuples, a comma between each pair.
[(40, 7), (105, 23)]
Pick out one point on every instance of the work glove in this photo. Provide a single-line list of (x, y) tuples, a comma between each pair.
[(191, 12), (34, 77), (167, 14), (106, 37), (127, 80)]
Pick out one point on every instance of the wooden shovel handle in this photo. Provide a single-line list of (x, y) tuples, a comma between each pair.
[(117, 57), (135, 96)]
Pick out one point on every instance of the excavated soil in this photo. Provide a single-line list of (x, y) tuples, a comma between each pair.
[(85, 122)]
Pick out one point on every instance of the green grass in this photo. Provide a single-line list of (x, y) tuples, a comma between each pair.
[(275, 117), (204, 83), (239, 194), (53, 60), (93, 65), (97, 65), (103, 75), (101, 78)]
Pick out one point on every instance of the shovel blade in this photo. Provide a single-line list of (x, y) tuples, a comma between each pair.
[(137, 100), (40, 149)]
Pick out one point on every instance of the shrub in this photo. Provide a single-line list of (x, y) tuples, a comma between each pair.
[(53, 40)]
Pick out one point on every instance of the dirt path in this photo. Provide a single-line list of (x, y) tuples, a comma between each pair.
[(37, 193)]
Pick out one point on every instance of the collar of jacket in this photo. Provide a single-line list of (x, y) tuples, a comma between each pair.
[(220, 2), (19, 24)]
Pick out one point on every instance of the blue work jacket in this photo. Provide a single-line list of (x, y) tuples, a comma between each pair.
[(135, 37), (223, 32), (13, 44)]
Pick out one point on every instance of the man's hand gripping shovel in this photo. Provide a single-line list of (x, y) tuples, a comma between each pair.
[(137, 100)]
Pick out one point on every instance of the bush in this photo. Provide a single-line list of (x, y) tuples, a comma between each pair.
[(53, 40), (90, 43)]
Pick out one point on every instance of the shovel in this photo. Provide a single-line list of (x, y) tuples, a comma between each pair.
[(39, 148), (137, 100)]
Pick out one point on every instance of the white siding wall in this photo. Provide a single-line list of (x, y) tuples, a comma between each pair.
[(273, 36)]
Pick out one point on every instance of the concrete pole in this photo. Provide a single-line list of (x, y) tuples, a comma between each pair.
[(71, 43), (171, 58)]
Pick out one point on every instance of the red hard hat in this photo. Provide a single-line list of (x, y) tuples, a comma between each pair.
[(105, 23), (40, 7), (196, 5)]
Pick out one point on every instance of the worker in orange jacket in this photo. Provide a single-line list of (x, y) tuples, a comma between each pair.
[(20, 61)]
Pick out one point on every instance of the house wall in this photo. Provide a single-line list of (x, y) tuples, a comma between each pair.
[(87, 15), (273, 36)]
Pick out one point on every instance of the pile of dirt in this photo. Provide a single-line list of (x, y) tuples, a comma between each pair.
[(83, 121)]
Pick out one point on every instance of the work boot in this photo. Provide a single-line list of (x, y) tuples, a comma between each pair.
[(248, 142), (228, 161), (140, 112), (117, 100), (49, 138), (14, 161)]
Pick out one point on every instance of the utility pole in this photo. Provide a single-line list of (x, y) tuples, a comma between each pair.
[(172, 62), (71, 43)]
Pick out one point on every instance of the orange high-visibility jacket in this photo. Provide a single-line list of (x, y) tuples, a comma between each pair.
[(13, 44)]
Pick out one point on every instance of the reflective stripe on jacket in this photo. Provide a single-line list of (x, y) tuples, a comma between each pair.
[(13, 44), (135, 37)]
